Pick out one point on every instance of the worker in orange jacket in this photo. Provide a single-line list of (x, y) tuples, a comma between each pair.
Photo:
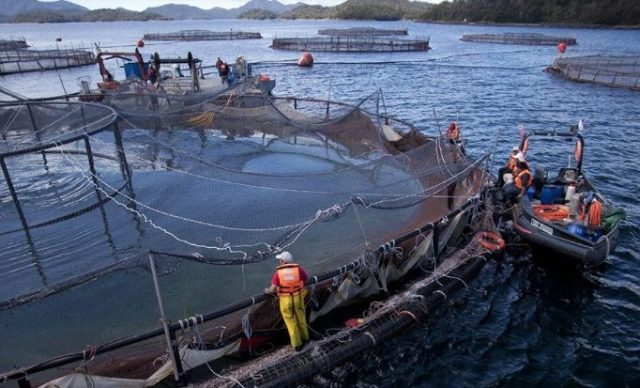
[(288, 282)]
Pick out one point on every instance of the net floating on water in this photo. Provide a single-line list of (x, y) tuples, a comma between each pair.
[(614, 71), (364, 31), (196, 35), (519, 38), (351, 43)]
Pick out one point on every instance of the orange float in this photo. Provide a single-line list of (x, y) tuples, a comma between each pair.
[(306, 60), (140, 43), (491, 241), (562, 47), (551, 212)]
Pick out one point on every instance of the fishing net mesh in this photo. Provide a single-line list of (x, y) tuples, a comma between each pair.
[(214, 185), (619, 71)]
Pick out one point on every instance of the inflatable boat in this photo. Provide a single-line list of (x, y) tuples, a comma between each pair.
[(566, 214)]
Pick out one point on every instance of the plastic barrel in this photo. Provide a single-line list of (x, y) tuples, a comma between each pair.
[(531, 193), (550, 194)]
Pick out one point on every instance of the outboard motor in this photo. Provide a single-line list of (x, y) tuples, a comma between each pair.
[(539, 179)]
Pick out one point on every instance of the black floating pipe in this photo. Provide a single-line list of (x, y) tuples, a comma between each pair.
[(189, 322)]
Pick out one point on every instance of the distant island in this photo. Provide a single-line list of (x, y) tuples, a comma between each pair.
[(556, 12)]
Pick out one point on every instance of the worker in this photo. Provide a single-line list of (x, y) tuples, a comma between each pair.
[(453, 132), (511, 165), (521, 181), (288, 281), (223, 72)]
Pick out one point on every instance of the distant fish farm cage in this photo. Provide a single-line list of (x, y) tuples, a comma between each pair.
[(518, 38), (195, 35), (362, 31), (350, 44), (11, 44), (19, 61), (616, 71)]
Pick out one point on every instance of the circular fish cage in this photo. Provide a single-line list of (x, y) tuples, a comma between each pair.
[(614, 71)]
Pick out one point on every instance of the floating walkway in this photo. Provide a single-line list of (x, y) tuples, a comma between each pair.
[(362, 31), (350, 44), (13, 44), (195, 35), (615, 71), (518, 38), (20, 61)]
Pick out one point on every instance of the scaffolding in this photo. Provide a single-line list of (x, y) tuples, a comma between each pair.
[(196, 35), (20, 61), (354, 43), (518, 38), (614, 71)]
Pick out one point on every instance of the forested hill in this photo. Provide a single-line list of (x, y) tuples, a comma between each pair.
[(582, 12)]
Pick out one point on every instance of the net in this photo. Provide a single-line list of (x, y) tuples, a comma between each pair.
[(212, 185), (617, 71)]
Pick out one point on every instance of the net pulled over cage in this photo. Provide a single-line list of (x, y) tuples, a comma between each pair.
[(213, 185)]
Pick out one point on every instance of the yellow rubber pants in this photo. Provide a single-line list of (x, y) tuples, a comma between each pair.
[(293, 314)]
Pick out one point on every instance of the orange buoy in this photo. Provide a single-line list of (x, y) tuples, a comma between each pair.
[(306, 60), (491, 241), (562, 47), (140, 43), (263, 77)]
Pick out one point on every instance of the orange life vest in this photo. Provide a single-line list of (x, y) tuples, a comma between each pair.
[(453, 133), (289, 279), (592, 214), (518, 179)]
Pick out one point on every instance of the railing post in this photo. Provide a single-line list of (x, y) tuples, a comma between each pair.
[(169, 335)]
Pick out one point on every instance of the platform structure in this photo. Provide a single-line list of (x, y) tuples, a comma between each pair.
[(519, 38), (13, 44), (20, 61), (362, 31), (350, 44), (196, 35), (615, 71)]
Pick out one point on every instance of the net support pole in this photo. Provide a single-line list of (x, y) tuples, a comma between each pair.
[(171, 345), (35, 131), (14, 196)]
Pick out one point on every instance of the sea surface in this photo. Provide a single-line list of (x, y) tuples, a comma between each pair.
[(521, 322)]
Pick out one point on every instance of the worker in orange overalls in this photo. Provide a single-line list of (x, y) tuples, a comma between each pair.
[(288, 281)]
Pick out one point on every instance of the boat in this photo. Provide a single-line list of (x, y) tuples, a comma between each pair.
[(556, 212)]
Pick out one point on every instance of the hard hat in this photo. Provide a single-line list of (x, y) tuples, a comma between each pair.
[(515, 149), (285, 256)]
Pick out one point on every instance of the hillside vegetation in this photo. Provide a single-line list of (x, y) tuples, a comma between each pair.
[(590, 12), (98, 15)]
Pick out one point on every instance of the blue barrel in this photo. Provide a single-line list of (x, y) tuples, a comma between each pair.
[(551, 193), (132, 70), (531, 192)]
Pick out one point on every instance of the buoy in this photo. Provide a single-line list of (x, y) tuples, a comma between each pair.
[(263, 77), (562, 47), (140, 43), (58, 39), (491, 241), (306, 60)]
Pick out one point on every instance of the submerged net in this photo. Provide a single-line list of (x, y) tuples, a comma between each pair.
[(215, 185), (618, 71)]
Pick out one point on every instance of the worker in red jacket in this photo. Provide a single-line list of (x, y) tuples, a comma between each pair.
[(288, 282)]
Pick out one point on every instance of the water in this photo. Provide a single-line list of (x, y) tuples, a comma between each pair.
[(519, 323)]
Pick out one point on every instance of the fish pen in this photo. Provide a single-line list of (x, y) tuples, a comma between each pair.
[(363, 31), (615, 71), (196, 35), (175, 208), (350, 44), (10, 44), (19, 61), (519, 38)]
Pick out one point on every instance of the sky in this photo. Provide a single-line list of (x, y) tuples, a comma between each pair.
[(139, 5)]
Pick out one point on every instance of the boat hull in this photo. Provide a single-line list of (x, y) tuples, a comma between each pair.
[(571, 247)]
